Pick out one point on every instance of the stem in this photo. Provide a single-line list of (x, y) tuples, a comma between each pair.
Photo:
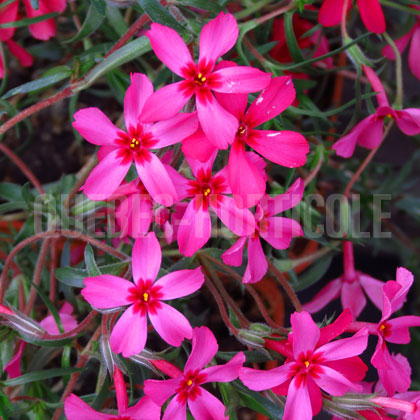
[(285, 285), (365, 163), (21, 165), (398, 72), (37, 276), (315, 171), (348, 261), (395, 404), (53, 264), (274, 13), (344, 33)]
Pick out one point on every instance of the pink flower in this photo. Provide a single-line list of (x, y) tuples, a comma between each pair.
[(286, 148), (186, 385), (394, 330), (331, 13), (121, 148), (397, 376), (217, 37), (412, 35), (313, 363), (144, 299), (42, 30), (49, 325), (208, 191), (368, 133), (145, 409), (25, 59), (277, 231), (350, 286)]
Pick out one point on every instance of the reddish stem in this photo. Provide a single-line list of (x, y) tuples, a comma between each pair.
[(348, 261), (53, 264)]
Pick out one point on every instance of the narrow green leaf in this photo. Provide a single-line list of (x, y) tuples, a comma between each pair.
[(38, 84), (92, 22), (202, 4), (116, 19), (160, 14), (39, 376), (10, 192), (90, 262), (313, 274), (29, 21), (6, 3), (291, 40), (99, 5)]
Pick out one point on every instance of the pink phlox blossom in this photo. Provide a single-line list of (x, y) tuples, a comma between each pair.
[(207, 190), (42, 30), (144, 299), (331, 14), (76, 409), (351, 287), (186, 385), (314, 362), (121, 148), (277, 231), (48, 323), (412, 35), (202, 79), (369, 132), (396, 331), (286, 148)]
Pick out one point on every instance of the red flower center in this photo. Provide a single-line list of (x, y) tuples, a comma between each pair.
[(307, 364), (145, 297), (385, 329), (189, 386), (242, 132), (200, 79)]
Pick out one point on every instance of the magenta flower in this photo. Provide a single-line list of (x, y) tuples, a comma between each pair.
[(394, 330), (217, 37), (208, 191), (186, 385), (286, 148), (42, 30), (313, 364), (145, 409), (350, 287), (277, 231), (412, 35), (397, 375), (25, 59), (48, 323), (368, 133), (121, 148), (331, 13), (145, 298)]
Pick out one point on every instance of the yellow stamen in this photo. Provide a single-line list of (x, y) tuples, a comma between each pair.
[(389, 115), (306, 363), (134, 143), (145, 296), (199, 75), (382, 327), (241, 129), (189, 383), (206, 192)]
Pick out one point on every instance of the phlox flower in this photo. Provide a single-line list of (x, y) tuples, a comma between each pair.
[(186, 385), (397, 375), (331, 13), (76, 409), (48, 323), (207, 190), (277, 231), (351, 287), (286, 148), (42, 30), (313, 363), (145, 298), (396, 331), (202, 79), (368, 133), (413, 36), (121, 148)]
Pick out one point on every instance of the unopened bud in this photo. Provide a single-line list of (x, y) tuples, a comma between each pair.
[(260, 329), (21, 323)]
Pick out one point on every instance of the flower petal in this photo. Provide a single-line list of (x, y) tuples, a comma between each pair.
[(240, 79), (156, 180), (331, 12), (401, 44), (373, 288), (352, 368), (176, 410), (273, 100), (13, 365), (279, 231), (180, 283), (165, 103), (397, 378), (49, 324), (413, 61), (219, 126), (135, 97), (204, 347), (257, 262), (198, 146), (298, 403), (206, 406), (334, 382), (399, 332), (146, 258), (8, 14), (25, 59), (233, 256), (352, 297), (286, 148), (324, 296), (234, 103), (129, 333), (408, 120), (216, 38), (76, 409), (377, 86), (170, 324), (106, 291), (160, 391), (42, 30), (145, 409), (372, 15), (287, 200), (194, 228), (95, 126), (305, 333), (336, 328), (175, 129), (225, 373), (170, 48), (259, 380)]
